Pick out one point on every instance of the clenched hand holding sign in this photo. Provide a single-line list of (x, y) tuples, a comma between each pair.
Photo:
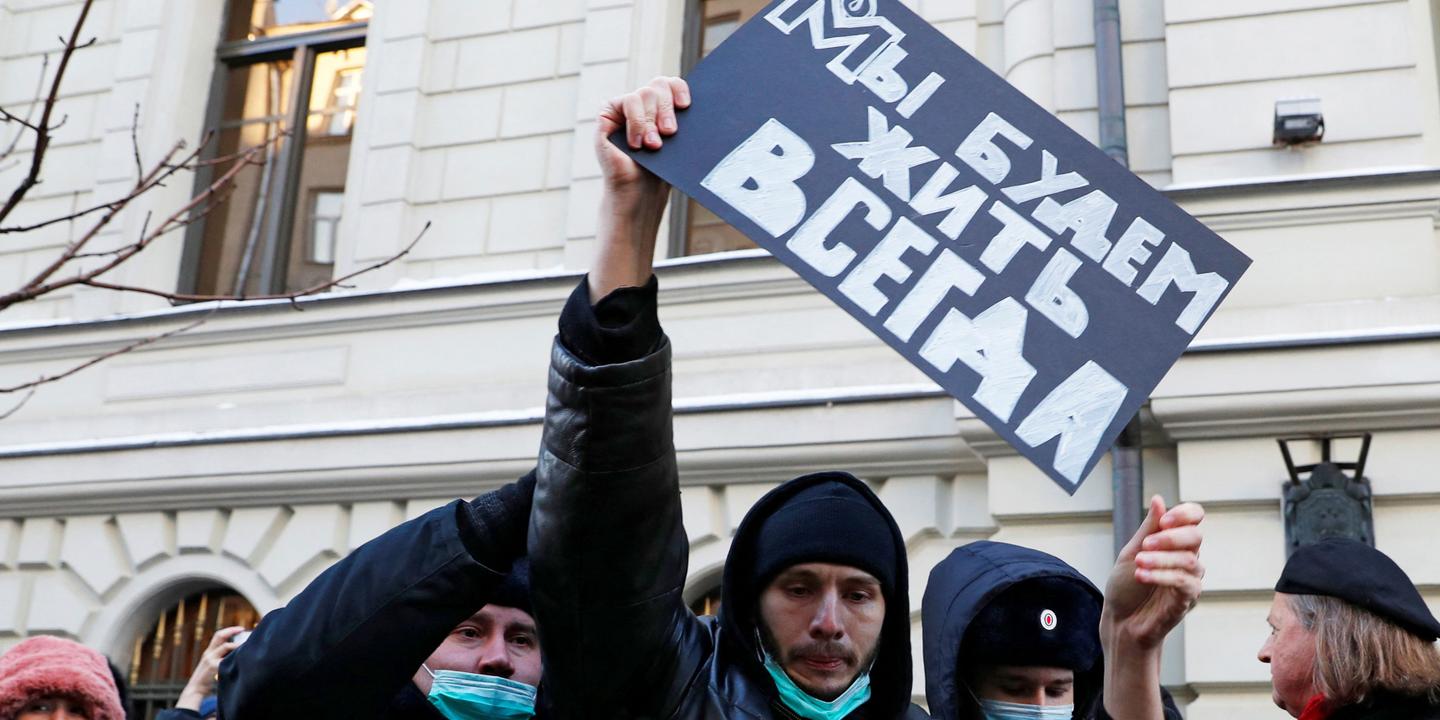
[(1035, 279)]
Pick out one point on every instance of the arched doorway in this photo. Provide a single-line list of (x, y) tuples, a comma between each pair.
[(708, 603), (165, 656)]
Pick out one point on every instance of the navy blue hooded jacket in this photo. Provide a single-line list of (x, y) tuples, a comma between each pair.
[(349, 644), (960, 586)]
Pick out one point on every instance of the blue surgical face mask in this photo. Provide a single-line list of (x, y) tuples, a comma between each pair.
[(996, 710), (806, 705), (469, 696)]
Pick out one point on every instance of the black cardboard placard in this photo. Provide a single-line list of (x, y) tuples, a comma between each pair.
[(1034, 278)]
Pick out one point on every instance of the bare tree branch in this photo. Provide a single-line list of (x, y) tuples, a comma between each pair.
[(162, 171), (18, 405), (29, 110), (135, 144), (292, 296), (42, 135), (46, 379), (79, 266), (206, 201)]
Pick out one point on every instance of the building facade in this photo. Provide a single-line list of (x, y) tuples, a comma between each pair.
[(208, 478)]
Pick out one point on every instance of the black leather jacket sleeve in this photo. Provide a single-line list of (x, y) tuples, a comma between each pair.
[(608, 550), (352, 639)]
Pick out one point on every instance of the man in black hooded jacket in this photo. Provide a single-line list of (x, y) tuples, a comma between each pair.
[(814, 618)]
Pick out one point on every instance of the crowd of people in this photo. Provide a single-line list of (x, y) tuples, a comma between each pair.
[(560, 595)]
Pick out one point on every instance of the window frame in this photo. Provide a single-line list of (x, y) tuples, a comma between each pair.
[(301, 49), (690, 46)]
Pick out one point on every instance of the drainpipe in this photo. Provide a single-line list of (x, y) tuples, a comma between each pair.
[(1127, 475), (1110, 85)]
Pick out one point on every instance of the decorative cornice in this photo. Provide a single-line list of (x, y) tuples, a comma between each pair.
[(1250, 187), (371, 477)]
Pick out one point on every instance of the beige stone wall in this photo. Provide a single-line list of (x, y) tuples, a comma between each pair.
[(257, 449)]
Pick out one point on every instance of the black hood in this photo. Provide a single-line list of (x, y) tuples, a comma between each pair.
[(960, 587), (890, 678)]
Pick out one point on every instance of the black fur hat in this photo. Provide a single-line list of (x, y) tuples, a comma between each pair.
[(1045, 621)]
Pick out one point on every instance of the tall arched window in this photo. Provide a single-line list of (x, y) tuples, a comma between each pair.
[(166, 655), (283, 66)]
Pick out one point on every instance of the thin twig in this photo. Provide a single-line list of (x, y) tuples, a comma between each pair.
[(18, 405), (161, 172), (339, 282), (30, 110), (41, 284), (42, 137), (9, 117), (135, 145), (44, 379)]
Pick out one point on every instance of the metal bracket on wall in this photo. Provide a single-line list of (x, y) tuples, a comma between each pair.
[(1327, 502)]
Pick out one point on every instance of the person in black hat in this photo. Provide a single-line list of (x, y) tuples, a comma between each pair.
[(1351, 638), (429, 621), (814, 617), (1012, 632)]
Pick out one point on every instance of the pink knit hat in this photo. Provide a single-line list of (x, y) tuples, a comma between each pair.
[(45, 666)]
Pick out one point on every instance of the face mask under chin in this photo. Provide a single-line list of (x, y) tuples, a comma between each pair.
[(807, 706)]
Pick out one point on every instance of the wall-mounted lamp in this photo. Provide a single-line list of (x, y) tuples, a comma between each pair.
[(1328, 502), (1298, 121)]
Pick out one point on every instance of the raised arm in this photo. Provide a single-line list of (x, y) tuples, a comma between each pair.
[(348, 643), (1155, 582), (608, 549), (633, 198)]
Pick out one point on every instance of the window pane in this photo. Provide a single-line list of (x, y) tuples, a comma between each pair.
[(256, 100), (251, 19), (704, 231), (240, 236), (335, 92), (334, 95), (324, 217)]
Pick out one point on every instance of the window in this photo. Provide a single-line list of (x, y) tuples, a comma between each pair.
[(324, 218), (165, 656), (293, 66), (695, 230)]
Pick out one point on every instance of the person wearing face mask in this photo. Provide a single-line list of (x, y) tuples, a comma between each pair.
[(1351, 638), (1012, 633), (393, 631), (815, 615)]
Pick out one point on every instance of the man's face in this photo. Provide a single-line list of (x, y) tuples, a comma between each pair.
[(1024, 684), (823, 624), (498, 641), (1290, 653)]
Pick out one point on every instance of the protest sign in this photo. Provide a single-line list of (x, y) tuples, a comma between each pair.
[(1034, 278)]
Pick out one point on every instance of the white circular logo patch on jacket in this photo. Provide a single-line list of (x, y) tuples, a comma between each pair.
[(1048, 619)]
